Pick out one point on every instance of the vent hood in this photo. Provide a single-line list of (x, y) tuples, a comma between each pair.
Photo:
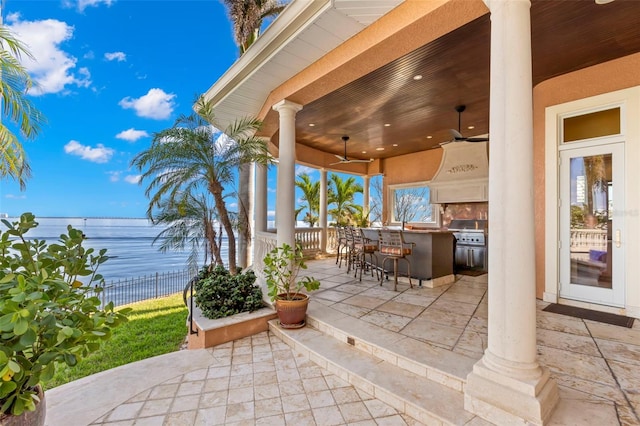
[(463, 175)]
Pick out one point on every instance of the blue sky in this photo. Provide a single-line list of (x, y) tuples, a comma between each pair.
[(110, 73)]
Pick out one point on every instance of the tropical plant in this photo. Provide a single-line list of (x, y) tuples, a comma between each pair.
[(341, 194), (191, 221), (310, 194), (15, 82), (247, 17), (281, 268), (194, 156), (47, 314), (220, 294)]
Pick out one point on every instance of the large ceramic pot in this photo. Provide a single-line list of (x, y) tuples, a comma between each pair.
[(28, 418), (292, 313)]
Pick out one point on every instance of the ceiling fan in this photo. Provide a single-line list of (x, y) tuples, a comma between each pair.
[(343, 158), (457, 136)]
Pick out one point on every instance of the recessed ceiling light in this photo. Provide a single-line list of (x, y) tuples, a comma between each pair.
[(417, 77), (603, 1), (380, 149), (364, 152), (395, 144), (471, 127), (311, 125), (429, 137), (387, 124)]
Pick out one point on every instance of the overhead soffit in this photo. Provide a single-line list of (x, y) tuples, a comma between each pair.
[(314, 29), (567, 36)]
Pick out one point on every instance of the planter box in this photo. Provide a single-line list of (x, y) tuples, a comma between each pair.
[(212, 332)]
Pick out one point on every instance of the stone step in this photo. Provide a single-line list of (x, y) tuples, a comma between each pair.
[(413, 394)]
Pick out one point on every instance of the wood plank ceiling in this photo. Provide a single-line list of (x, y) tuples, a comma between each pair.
[(389, 107)]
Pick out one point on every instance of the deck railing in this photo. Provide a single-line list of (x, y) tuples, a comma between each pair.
[(583, 240)]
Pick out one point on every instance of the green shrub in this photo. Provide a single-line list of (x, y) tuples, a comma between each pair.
[(220, 294), (47, 315)]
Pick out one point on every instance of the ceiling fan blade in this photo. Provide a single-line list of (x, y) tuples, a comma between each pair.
[(359, 161), (340, 157), (477, 139), (456, 135)]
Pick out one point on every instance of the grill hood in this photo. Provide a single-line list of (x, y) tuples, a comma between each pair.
[(463, 175)]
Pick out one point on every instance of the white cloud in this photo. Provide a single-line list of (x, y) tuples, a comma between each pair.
[(99, 154), (304, 169), (116, 56), (271, 213), (134, 179), (81, 5), (16, 197), (89, 55), (132, 134), (155, 104), (114, 176), (53, 68)]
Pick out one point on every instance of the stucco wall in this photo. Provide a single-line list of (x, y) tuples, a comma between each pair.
[(607, 77)]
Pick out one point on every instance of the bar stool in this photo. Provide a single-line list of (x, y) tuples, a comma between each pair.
[(341, 240), (349, 249), (363, 246), (392, 246)]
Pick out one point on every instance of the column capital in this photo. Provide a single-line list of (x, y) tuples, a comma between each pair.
[(286, 105)]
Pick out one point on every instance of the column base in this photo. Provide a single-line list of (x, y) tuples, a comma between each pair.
[(502, 399)]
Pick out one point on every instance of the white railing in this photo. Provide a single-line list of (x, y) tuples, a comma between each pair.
[(583, 240), (309, 240), (264, 242), (332, 240)]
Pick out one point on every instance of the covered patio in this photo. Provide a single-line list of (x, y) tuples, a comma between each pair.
[(405, 363)]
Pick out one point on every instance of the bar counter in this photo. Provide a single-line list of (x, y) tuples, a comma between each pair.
[(432, 259)]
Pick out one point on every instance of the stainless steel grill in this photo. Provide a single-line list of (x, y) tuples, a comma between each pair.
[(471, 243)]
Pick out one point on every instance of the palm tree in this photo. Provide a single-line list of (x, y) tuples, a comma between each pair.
[(191, 221), (310, 194), (193, 156), (341, 193), (247, 17), (15, 82)]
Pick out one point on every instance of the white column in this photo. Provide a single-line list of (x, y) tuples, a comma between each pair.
[(366, 184), (323, 210), (508, 386), (285, 215), (261, 198)]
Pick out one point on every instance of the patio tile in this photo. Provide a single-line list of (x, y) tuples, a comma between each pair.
[(568, 342), (237, 412), (461, 288), (322, 398), (472, 341), (437, 333), (575, 364), (271, 421), (155, 407), (619, 351), (403, 309), (216, 385), (332, 295), (351, 310), (293, 387), (351, 288), (190, 388), (150, 421), (184, 418), (164, 391), (387, 321), (185, 403), (561, 323), (451, 319), (125, 412), (345, 395), (268, 407), (415, 299), (627, 375), (462, 297), (295, 403), (378, 408), (211, 416), (328, 416), (239, 395), (364, 301), (315, 384), (454, 306), (304, 417), (214, 399), (354, 412)]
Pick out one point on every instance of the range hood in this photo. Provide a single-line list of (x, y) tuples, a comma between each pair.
[(463, 175)]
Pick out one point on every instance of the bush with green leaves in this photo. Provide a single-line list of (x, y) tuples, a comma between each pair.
[(49, 311), (281, 268), (220, 294)]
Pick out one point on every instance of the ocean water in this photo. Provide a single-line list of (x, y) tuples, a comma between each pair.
[(129, 244)]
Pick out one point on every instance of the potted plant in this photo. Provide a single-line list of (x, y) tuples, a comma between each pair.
[(47, 315), (282, 266)]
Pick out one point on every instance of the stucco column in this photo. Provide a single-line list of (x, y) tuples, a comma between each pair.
[(285, 187), (261, 198), (323, 210), (508, 386), (366, 183)]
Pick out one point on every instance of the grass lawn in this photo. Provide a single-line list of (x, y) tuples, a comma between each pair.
[(155, 327)]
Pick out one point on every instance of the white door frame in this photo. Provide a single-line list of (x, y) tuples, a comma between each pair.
[(629, 101)]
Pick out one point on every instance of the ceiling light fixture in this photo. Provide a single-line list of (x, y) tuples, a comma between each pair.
[(311, 125), (429, 137), (387, 125), (395, 144), (417, 77), (471, 127), (380, 149)]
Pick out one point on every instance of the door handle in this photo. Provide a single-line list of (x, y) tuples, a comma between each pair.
[(617, 241)]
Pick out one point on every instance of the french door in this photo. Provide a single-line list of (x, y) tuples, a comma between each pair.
[(592, 237)]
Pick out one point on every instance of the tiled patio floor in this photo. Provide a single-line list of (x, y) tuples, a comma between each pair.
[(260, 380)]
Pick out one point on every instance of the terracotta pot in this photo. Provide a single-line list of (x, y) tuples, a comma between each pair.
[(28, 418), (292, 313)]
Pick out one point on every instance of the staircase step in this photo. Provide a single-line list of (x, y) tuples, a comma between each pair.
[(437, 364), (409, 393)]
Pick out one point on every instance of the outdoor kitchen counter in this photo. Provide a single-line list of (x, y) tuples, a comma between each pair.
[(432, 261)]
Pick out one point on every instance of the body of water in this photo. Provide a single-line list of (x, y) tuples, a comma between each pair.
[(129, 244)]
